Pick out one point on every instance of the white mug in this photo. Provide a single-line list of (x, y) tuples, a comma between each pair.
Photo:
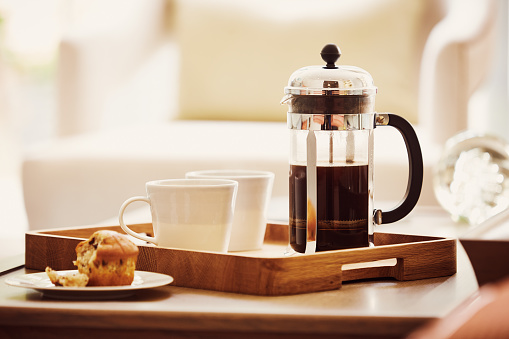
[(194, 214), (250, 218)]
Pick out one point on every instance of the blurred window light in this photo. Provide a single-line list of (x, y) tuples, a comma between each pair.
[(31, 30)]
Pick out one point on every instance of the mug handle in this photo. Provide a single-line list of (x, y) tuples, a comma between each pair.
[(415, 168), (124, 226)]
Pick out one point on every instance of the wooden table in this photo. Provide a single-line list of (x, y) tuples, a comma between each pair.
[(376, 308)]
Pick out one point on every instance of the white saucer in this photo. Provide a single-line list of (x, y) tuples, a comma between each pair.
[(40, 282)]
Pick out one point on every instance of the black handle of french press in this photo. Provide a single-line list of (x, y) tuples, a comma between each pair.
[(415, 170)]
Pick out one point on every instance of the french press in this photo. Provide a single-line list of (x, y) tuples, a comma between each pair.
[(332, 117)]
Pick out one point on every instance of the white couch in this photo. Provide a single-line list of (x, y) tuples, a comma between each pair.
[(165, 87)]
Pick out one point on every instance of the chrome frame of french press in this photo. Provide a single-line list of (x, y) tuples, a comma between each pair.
[(349, 90), (331, 123)]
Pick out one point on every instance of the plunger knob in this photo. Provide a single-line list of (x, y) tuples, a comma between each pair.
[(330, 54)]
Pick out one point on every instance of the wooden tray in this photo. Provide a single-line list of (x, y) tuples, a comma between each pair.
[(264, 272)]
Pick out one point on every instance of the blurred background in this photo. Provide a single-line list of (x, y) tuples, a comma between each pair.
[(74, 67), (30, 33)]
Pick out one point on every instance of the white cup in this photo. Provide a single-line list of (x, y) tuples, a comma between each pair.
[(250, 218), (194, 214)]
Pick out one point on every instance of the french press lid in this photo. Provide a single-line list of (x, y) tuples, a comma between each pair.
[(330, 88)]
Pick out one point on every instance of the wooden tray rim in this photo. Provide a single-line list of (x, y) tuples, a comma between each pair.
[(246, 254)]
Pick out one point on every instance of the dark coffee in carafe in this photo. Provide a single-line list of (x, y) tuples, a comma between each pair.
[(342, 207)]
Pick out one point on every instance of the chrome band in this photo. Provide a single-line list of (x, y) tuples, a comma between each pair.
[(382, 119), (311, 218), (332, 122), (377, 217)]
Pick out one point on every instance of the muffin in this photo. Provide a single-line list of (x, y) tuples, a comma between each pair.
[(108, 258)]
